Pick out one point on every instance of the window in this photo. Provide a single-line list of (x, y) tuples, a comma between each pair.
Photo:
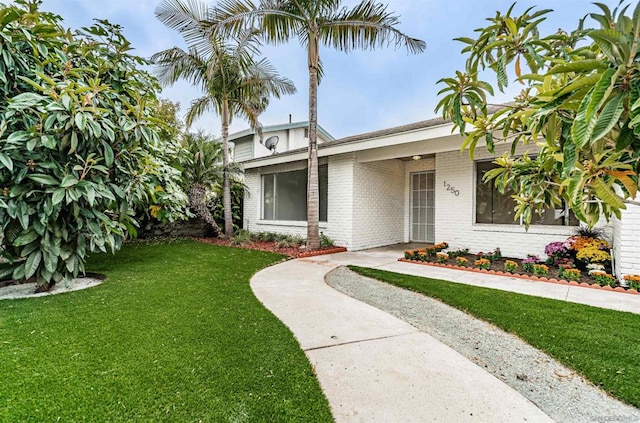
[(496, 208), (284, 195)]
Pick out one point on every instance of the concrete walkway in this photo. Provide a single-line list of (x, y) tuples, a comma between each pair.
[(374, 367), (386, 258)]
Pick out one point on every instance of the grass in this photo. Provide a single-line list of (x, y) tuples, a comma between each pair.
[(174, 334), (600, 344)]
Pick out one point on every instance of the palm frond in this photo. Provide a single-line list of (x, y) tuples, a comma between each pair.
[(366, 26), (174, 64), (200, 106)]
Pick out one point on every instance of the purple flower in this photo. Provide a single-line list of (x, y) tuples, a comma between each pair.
[(532, 259), (555, 249)]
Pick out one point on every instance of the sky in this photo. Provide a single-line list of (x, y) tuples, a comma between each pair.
[(361, 91)]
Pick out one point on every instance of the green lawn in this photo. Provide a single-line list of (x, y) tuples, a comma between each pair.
[(173, 334), (603, 345)]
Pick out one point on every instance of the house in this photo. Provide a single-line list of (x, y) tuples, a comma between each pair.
[(408, 183), (247, 144)]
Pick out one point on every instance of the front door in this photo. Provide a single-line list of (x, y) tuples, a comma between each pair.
[(423, 207)]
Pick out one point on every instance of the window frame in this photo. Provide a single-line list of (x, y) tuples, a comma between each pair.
[(519, 223), (275, 195)]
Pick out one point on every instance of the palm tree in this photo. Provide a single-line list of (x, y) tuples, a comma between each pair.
[(233, 83), (201, 160), (365, 26)]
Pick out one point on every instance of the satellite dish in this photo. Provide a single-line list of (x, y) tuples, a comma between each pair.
[(271, 143)]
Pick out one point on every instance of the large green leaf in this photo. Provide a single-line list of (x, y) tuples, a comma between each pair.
[(25, 100), (25, 238), (582, 66), (6, 161), (606, 194), (609, 117), (43, 179), (31, 266)]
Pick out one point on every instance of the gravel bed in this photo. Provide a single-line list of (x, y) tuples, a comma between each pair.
[(558, 391), (27, 290)]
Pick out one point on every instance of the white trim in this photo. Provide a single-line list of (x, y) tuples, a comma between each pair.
[(294, 223)]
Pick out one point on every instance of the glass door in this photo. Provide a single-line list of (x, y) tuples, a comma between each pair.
[(423, 207)]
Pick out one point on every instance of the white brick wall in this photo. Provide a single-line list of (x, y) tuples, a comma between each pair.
[(455, 214), (340, 213), (378, 204), (626, 242)]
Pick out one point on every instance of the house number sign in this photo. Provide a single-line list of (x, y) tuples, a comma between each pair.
[(451, 189)]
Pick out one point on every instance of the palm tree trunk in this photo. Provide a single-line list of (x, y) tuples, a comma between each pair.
[(313, 195), (226, 183), (197, 194)]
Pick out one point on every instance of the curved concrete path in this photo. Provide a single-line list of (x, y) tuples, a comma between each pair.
[(374, 367)]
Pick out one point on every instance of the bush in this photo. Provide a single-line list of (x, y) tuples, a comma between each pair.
[(462, 261), (510, 266), (442, 257), (557, 252), (633, 281), (604, 279), (458, 252), (540, 270), (325, 241), (79, 144), (241, 237), (570, 274), (529, 262), (482, 263)]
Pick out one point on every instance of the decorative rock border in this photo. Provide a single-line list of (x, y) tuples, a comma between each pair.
[(313, 253), (521, 276)]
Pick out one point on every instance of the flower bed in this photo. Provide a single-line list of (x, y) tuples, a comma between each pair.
[(583, 259)]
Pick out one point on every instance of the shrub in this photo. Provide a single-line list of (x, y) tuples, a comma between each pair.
[(570, 274), (540, 269), (587, 232), (482, 263), (458, 252), (80, 147), (604, 279), (491, 256), (557, 252), (325, 241), (462, 261), (423, 254), (593, 254), (527, 264), (441, 257), (633, 281), (595, 267), (241, 237), (510, 266)]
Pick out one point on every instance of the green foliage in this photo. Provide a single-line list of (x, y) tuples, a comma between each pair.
[(325, 241), (580, 106), (604, 279), (78, 142)]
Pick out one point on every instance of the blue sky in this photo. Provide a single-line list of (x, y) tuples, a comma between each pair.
[(361, 91)]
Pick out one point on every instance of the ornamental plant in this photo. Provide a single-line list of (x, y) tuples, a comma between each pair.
[(604, 279), (78, 143), (633, 281), (556, 251), (459, 252), (462, 261), (595, 267), (527, 264), (482, 263), (540, 270), (510, 266), (570, 274), (442, 257), (593, 254)]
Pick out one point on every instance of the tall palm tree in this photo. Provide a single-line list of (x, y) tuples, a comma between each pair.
[(365, 26), (201, 162), (233, 83)]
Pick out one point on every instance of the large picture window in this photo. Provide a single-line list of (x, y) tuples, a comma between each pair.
[(496, 208), (284, 195)]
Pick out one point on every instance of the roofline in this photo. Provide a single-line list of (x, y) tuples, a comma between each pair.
[(281, 127)]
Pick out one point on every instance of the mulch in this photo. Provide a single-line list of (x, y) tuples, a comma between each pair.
[(272, 246)]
